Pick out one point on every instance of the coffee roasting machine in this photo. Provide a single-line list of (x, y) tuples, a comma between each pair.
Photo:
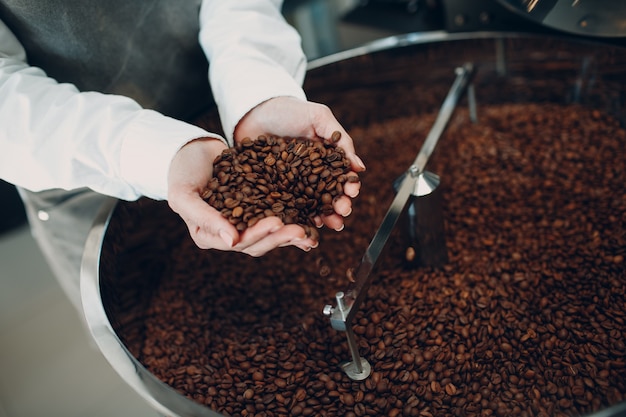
[(446, 28), (606, 19)]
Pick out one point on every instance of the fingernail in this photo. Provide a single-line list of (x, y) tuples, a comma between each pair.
[(299, 243), (348, 213), (341, 228), (315, 245), (359, 162), (227, 238)]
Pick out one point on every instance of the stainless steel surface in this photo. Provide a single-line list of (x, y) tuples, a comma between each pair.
[(425, 223), (163, 398), (359, 368), (535, 69), (464, 76), (604, 18), (413, 183)]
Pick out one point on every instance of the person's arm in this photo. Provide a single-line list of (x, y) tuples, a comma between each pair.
[(257, 67), (53, 136), (254, 55)]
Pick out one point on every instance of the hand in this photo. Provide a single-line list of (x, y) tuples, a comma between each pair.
[(190, 171), (293, 117)]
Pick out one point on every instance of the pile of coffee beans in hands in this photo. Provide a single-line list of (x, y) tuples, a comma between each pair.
[(294, 179)]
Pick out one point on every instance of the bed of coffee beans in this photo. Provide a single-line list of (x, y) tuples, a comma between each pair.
[(527, 318), (292, 178)]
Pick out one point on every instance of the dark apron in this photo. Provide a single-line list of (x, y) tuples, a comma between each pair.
[(145, 50)]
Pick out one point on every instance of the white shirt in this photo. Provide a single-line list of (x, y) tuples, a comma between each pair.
[(54, 136)]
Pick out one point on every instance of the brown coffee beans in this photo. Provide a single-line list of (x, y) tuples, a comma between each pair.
[(526, 319), (290, 178)]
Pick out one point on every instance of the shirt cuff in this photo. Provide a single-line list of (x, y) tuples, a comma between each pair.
[(259, 86), (148, 148)]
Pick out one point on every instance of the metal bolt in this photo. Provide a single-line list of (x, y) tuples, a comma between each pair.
[(328, 310)]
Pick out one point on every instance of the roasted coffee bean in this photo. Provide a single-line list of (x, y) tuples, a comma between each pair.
[(248, 394), (237, 212), (335, 137), (451, 389)]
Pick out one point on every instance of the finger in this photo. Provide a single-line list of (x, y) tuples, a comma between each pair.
[(318, 221), (258, 232), (207, 227), (347, 144), (304, 244), (352, 189), (342, 206), (288, 235), (277, 237), (325, 124), (333, 221)]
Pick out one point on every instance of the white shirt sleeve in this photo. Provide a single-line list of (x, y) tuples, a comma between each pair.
[(53, 136), (253, 53)]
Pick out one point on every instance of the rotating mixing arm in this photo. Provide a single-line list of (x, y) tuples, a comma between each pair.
[(348, 302)]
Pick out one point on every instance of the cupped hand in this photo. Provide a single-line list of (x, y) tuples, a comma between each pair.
[(294, 117), (190, 171)]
